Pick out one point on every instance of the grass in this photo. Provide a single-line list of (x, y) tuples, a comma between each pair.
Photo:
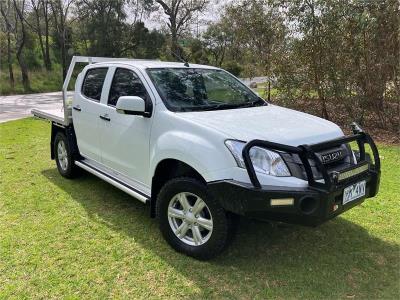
[(83, 238), (41, 81)]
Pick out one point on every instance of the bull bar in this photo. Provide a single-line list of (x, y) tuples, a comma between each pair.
[(307, 152)]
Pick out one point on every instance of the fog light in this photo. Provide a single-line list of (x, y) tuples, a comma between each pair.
[(335, 207), (282, 202)]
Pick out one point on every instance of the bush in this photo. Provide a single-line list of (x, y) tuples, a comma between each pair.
[(41, 81), (233, 67)]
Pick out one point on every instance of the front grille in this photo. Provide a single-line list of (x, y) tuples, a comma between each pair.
[(337, 164)]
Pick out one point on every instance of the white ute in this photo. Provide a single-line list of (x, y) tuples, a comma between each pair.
[(201, 148)]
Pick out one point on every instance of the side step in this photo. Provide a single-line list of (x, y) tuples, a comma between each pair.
[(114, 181)]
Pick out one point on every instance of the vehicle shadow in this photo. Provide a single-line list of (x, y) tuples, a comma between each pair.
[(337, 259)]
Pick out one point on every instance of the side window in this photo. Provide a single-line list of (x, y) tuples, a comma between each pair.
[(93, 83), (126, 83)]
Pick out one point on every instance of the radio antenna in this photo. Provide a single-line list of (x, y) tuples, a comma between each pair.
[(184, 61)]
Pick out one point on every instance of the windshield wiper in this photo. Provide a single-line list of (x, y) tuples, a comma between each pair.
[(258, 102), (220, 106)]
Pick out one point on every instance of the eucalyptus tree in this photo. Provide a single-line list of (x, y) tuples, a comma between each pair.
[(259, 28), (347, 53), (20, 34), (40, 25), (103, 25), (140, 42), (6, 11), (61, 10), (217, 40), (180, 14)]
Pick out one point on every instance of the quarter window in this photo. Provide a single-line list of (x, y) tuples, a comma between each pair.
[(126, 83), (93, 83)]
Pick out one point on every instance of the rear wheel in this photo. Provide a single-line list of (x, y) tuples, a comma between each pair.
[(191, 220), (63, 156)]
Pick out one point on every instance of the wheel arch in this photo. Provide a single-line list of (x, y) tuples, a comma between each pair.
[(167, 169), (71, 137)]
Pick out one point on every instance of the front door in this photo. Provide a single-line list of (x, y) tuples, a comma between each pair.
[(125, 138), (86, 109)]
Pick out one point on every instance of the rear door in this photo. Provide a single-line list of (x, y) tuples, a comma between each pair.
[(125, 138), (86, 109)]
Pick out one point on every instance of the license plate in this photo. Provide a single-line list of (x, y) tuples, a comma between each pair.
[(354, 192)]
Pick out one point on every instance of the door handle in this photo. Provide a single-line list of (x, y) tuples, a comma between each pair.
[(77, 108), (105, 117)]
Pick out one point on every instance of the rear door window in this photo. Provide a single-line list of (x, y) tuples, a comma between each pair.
[(93, 83)]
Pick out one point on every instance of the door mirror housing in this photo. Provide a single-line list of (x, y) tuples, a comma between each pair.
[(132, 105)]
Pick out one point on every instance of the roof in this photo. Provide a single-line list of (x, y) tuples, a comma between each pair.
[(145, 64)]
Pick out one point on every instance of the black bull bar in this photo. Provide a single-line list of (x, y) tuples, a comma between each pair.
[(306, 152)]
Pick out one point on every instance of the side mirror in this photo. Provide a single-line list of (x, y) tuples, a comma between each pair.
[(131, 105)]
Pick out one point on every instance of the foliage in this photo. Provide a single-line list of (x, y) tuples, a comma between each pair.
[(347, 53), (41, 81), (100, 23), (197, 51), (180, 14), (142, 43), (233, 67), (218, 38)]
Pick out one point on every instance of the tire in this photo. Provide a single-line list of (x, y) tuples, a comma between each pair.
[(210, 243), (63, 156)]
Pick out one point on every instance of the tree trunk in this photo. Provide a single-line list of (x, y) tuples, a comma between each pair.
[(39, 30), (63, 50), (24, 70), (19, 54), (175, 49), (46, 33), (47, 49), (41, 43), (9, 61), (63, 59)]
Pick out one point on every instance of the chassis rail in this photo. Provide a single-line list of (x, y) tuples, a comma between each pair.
[(307, 152)]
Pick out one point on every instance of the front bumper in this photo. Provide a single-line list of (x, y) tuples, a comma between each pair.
[(313, 205), (244, 199)]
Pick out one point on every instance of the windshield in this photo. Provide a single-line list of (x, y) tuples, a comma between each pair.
[(189, 89)]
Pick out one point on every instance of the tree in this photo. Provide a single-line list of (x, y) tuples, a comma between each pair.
[(20, 36), (180, 14), (197, 52), (315, 40), (260, 27), (60, 10), (102, 24), (139, 42), (346, 54), (46, 17), (217, 38), (139, 9), (5, 10), (40, 11)]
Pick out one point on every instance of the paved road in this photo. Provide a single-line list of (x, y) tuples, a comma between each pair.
[(19, 106)]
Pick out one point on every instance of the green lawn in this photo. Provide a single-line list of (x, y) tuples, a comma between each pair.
[(83, 238)]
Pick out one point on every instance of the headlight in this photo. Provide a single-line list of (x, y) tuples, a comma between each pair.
[(264, 161)]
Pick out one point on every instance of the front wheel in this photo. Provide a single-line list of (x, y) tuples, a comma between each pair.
[(191, 220)]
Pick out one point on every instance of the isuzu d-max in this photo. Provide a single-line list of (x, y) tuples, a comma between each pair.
[(202, 148)]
